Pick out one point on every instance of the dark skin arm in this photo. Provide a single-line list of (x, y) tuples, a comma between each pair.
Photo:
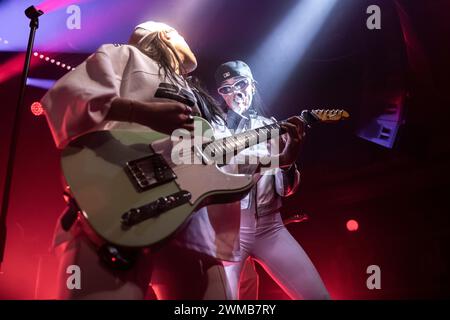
[(162, 115), (291, 148)]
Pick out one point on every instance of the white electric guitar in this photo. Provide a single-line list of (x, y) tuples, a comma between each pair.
[(132, 194)]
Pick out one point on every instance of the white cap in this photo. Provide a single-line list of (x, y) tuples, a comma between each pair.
[(153, 26)]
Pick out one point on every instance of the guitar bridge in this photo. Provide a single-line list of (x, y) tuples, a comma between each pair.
[(155, 208), (149, 172)]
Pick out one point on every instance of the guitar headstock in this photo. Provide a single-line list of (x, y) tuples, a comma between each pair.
[(329, 115)]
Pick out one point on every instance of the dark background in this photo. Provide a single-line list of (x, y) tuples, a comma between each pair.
[(398, 195)]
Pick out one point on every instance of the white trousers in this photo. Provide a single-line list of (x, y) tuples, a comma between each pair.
[(176, 273), (267, 240)]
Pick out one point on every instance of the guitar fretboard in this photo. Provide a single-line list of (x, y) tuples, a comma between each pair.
[(236, 143)]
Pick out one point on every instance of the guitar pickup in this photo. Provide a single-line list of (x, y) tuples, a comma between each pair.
[(149, 172)]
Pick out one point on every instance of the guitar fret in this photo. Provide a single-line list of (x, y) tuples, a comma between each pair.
[(235, 144), (241, 142)]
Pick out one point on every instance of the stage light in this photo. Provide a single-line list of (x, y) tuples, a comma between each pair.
[(37, 109), (51, 60), (277, 57), (352, 225), (40, 83), (54, 5), (4, 41), (13, 67)]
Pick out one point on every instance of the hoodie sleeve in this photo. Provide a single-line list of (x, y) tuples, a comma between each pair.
[(79, 101), (287, 181)]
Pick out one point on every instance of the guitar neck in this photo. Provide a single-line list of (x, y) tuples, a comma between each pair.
[(247, 139), (236, 143)]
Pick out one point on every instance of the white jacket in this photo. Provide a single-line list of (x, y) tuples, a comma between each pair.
[(272, 184), (79, 102)]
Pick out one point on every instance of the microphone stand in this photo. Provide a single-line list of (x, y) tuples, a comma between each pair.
[(33, 14)]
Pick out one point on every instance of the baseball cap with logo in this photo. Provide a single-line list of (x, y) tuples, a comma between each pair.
[(232, 69)]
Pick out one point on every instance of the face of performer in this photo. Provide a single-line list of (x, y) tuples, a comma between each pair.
[(177, 43), (238, 93)]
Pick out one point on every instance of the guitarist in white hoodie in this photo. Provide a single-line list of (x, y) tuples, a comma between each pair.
[(137, 86)]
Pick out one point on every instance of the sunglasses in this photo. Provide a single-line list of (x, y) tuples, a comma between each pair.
[(239, 85)]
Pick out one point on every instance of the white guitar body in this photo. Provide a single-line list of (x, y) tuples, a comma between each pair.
[(132, 194), (95, 168)]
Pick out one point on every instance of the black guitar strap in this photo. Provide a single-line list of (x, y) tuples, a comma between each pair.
[(205, 113), (70, 214), (113, 257)]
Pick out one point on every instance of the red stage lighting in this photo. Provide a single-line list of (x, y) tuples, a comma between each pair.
[(352, 225), (51, 60), (36, 108)]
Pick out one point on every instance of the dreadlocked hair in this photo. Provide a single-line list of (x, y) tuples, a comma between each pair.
[(211, 109)]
